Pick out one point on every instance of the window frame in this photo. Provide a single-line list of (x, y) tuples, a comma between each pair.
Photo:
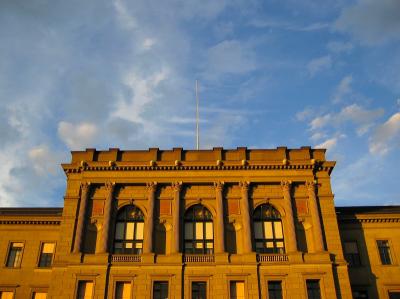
[(85, 277), (193, 221), (115, 278), (8, 253), (315, 276), (273, 277), (272, 220), (125, 221), (192, 279), (8, 290), (391, 256), (160, 281), (232, 278), (40, 254), (39, 290), (360, 263)]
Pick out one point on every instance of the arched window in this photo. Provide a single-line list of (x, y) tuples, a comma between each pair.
[(199, 233), (268, 231), (129, 231)]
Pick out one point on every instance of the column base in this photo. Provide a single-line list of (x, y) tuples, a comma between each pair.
[(148, 258), (221, 258)]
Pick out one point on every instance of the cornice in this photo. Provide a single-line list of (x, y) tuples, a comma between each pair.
[(79, 169), (31, 222), (369, 220)]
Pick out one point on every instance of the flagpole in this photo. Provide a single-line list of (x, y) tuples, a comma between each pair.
[(197, 118)]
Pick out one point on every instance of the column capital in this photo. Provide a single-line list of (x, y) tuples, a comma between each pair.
[(85, 186), (177, 186), (109, 185), (244, 185), (310, 185), (151, 186), (286, 185), (219, 185)]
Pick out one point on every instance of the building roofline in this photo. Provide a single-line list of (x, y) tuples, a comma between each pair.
[(31, 211), (351, 210)]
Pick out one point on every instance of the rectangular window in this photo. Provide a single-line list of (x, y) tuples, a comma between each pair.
[(15, 255), (394, 295), (160, 290), (6, 295), (384, 252), (360, 295), (123, 290), (236, 289), (274, 290), (313, 289), (85, 289), (199, 290), (39, 295), (351, 253), (46, 254)]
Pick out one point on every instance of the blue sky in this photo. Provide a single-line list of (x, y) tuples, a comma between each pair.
[(117, 73)]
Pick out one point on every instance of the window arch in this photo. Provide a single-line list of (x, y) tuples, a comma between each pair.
[(198, 230), (128, 238), (268, 232)]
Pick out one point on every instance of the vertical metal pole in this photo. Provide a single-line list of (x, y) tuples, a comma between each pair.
[(197, 118)]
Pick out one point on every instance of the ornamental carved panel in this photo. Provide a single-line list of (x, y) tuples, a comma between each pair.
[(98, 208), (165, 207), (302, 207), (233, 207)]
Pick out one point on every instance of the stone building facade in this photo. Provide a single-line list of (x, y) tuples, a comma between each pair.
[(199, 224)]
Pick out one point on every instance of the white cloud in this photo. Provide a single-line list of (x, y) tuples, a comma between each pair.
[(230, 57), (126, 19), (340, 47), (370, 21), (362, 118), (328, 144), (343, 89), (319, 64), (304, 114), (386, 136), (148, 43), (45, 162), (77, 136)]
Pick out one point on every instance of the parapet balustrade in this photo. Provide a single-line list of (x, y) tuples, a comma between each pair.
[(126, 258), (272, 258), (198, 258)]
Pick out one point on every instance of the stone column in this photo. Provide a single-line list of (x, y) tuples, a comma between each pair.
[(81, 217), (245, 211), (109, 186), (316, 223), (219, 240), (176, 219), (148, 238), (291, 229)]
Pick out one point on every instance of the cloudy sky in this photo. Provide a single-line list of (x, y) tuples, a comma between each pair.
[(119, 73)]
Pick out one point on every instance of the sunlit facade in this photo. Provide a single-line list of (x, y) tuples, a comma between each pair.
[(200, 224)]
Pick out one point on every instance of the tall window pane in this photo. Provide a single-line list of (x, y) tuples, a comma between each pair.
[(6, 295), (39, 295), (274, 290), (360, 295), (313, 289), (236, 290), (384, 252), (268, 232), (199, 290), (160, 290), (199, 231), (15, 255), (351, 253), (129, 231), (85, 290), (46, 254), (123, 290), (394, 295)]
